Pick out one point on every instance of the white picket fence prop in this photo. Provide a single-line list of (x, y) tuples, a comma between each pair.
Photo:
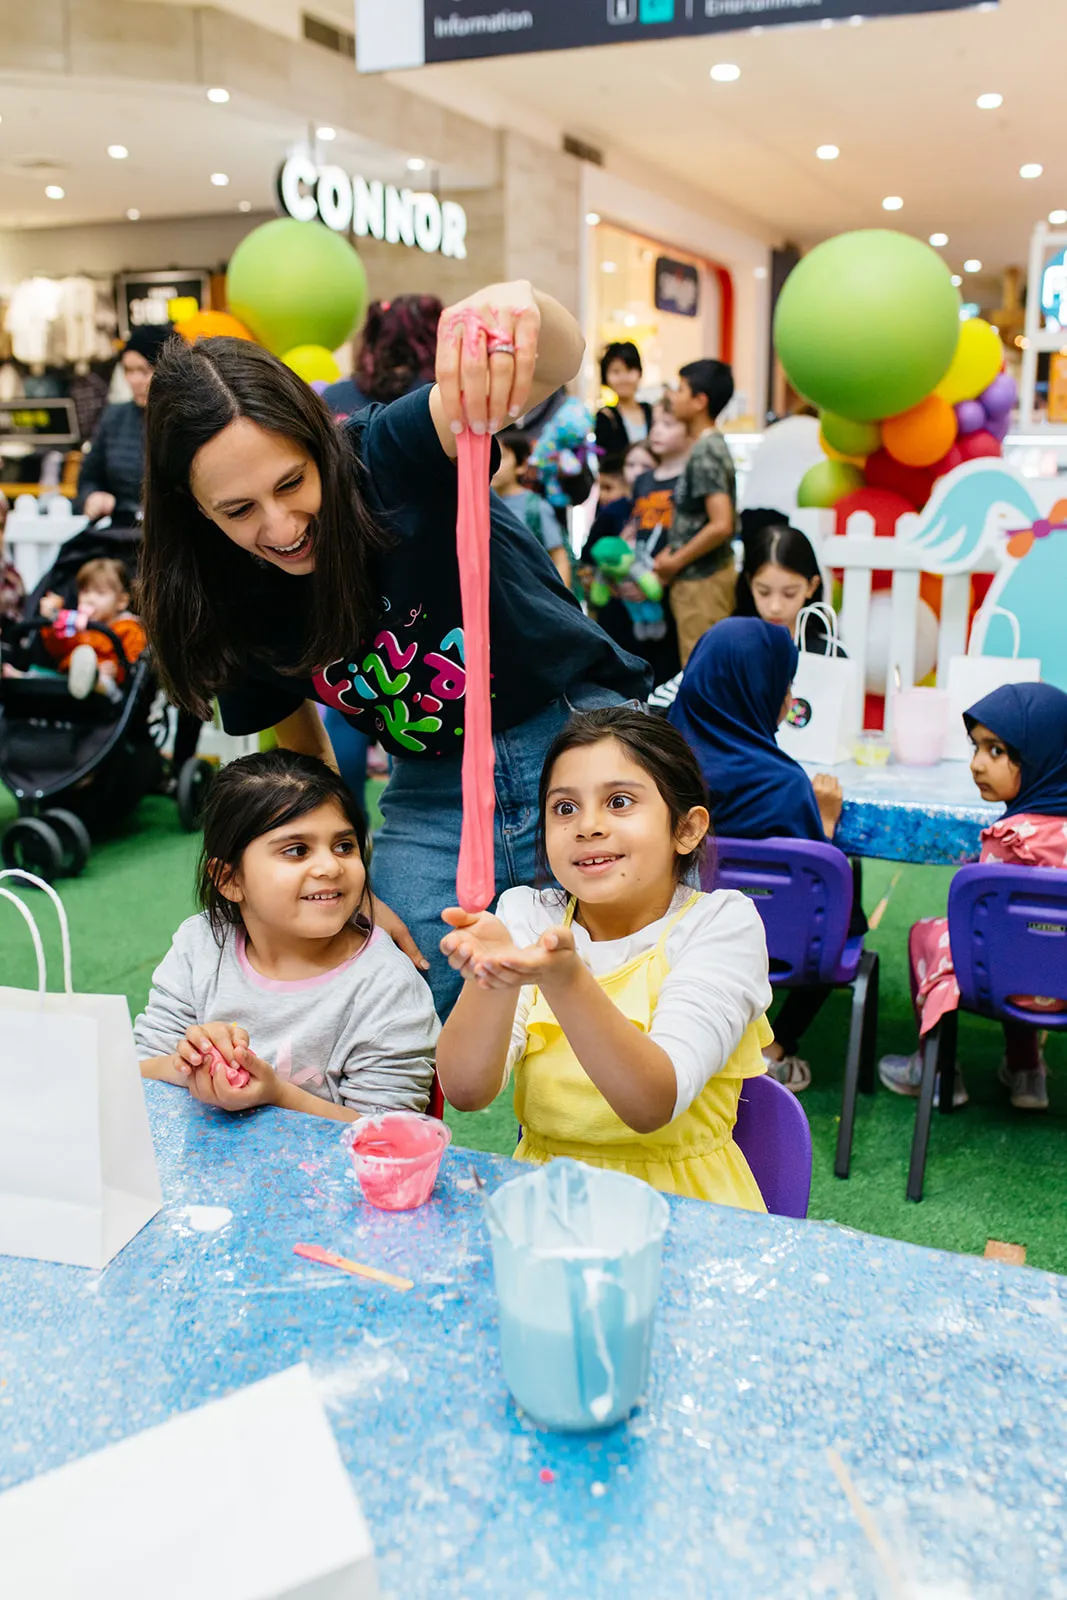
[(34, 535), (858, 554)]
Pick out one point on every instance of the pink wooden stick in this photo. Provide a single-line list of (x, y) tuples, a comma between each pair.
[(476, 876)]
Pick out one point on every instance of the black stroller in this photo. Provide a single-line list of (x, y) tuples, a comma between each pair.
[(78, 767)]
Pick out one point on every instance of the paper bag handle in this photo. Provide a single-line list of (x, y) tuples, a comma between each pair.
[(829, 618), (61, 912), (27, 916), (988, 612)]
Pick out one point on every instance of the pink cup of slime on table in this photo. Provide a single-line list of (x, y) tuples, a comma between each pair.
[(397, 1155)]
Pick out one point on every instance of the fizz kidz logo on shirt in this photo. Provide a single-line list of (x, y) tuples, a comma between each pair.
[(413, 692)]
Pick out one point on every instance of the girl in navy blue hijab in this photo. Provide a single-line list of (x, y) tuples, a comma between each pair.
[(732, 697)]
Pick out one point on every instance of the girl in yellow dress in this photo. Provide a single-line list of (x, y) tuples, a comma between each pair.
[(630, 1006)]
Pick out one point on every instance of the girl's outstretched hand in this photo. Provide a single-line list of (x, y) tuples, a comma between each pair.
[(213, 1088), (552, 960), (474, 937), (486, 356)]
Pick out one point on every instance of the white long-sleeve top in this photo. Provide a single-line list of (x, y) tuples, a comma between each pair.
[(716, 987)]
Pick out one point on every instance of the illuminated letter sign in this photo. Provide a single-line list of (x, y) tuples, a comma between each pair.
[(398, 216)]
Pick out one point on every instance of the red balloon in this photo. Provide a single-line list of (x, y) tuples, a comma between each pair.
[(954, 458), (975, 445), (914, 484), (882, 504)]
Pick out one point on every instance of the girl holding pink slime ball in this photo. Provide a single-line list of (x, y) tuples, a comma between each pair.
[(629, 1005), (331, 1019), (290, 563)]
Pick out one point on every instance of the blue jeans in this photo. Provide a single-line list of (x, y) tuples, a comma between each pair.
[(350, 746), (417, 850)]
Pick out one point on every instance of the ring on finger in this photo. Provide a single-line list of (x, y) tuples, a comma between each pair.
[(498, 345)]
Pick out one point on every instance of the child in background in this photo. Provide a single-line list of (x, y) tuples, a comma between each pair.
[(700, 563), (89, 659), (1019, 734), (629, 1005), (629, 419), (637, 460), (532, 509), (780, 576), (733, 695), (281, 991)]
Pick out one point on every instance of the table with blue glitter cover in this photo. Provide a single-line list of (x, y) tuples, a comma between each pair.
[(931, 816), (785, 1355)]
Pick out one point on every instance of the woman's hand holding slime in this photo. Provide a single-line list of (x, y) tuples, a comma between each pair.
[(487, 355)]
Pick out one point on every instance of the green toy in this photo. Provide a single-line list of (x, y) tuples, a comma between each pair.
[(617, 563)]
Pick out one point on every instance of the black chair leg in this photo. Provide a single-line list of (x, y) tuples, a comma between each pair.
[(868, 1059), (924, 1113), (857, 1039), (946, 1062)]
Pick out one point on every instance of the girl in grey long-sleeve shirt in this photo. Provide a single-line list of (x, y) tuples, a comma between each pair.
[(279, 992)]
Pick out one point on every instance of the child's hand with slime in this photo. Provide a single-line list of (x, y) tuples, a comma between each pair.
[(256, 1084), (552, 961), (214, 1046), (476, 936)]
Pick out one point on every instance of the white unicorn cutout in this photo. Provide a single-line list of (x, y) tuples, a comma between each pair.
[(986, 506)]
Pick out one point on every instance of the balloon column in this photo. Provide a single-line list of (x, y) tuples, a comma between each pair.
[(300, 290), (868, 329)]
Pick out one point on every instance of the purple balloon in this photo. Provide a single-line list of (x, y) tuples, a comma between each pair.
[(971, 416), (1001, 395), (999, 427), (320, 385)]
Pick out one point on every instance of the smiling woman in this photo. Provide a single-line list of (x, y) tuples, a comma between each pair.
[(289, 561)]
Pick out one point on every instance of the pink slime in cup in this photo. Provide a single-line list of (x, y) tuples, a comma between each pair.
[(397, 1156)]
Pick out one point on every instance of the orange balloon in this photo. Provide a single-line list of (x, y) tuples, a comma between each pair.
[(921, 436), (211, 325)]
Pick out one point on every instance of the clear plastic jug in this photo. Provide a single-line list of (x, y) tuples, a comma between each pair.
[(920, 726), (576, 1254)]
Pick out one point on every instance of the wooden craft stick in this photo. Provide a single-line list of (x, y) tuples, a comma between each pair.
[(880, 909), (872, 1532), (330, 1258)]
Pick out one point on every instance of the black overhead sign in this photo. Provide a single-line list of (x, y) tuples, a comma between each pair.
[(456, 30)]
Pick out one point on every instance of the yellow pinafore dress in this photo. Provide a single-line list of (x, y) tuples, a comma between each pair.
[(563, 1113)]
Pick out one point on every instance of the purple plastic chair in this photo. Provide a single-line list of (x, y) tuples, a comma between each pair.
[(1008, 930), (774, 1136), (803, 891)]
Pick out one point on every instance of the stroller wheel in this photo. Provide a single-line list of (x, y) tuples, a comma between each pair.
[(194, 781), (73, 838), (33, 846)]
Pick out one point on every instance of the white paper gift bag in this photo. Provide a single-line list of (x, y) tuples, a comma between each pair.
[(276, 1515), (78, 1173), (972, 676), (827, 700)]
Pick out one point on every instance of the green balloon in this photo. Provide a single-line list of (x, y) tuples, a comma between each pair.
[(867, 324), (851, 438), (828, 482), (296, 283)]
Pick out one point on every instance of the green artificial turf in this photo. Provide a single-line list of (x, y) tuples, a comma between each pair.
[(992, 1172)]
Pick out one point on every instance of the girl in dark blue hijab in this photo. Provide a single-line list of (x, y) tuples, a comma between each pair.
[(733, 695), (1031, 718), (728, 708)]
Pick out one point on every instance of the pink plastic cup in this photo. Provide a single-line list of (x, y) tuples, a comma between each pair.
[(920, 726), (397, 1156)]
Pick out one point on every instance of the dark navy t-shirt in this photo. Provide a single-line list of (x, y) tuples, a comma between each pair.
[(405, 684)]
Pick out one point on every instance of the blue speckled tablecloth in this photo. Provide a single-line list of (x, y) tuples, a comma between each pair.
[(941, 1380), (928, 815)]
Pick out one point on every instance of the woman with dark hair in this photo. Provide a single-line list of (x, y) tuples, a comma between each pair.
[(396, 353), (290, 563), (112, 473), (629, 420)]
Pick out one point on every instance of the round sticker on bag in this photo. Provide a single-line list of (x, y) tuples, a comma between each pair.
[(799, 713)]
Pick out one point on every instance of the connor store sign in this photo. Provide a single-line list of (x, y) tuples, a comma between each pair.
[(392, 34), (378, 210)]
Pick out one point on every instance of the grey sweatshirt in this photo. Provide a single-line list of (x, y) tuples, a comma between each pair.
[(362, 1035)]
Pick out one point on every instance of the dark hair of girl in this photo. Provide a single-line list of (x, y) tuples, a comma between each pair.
[(399, 346), (780, 546), (652, 744), (623, 350), (253, 796), (193, 593)]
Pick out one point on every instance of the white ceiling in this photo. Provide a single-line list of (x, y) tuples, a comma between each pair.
[(57, 132), (897, 95)]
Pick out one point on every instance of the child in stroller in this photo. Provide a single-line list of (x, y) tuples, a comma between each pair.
[(76, 766), (79, 642)]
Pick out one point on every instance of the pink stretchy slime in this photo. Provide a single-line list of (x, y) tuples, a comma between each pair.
[(396, 1156), (236, 1077), (476, 876)]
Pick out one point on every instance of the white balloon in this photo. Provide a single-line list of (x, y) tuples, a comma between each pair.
[(788, 449), (878, 627)]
